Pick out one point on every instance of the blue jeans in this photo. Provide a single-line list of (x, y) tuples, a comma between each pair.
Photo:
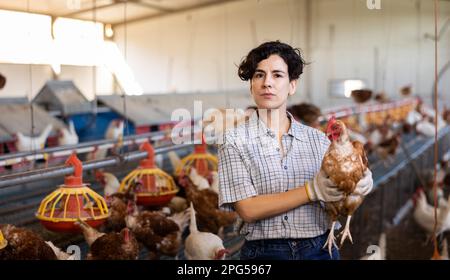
[(288, 249)]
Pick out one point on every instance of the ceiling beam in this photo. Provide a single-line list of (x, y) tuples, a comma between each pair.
[(31, 11), (175, 11), (91, 9), (151, 6)]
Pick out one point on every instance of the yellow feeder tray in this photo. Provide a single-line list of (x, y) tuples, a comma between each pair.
[(156, 188), (3, 242), (203, 161), (72, 201)]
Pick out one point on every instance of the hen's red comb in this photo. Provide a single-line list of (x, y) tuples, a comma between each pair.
[(331, 122)]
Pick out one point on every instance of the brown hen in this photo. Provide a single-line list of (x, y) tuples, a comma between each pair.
[(344, 163), (23, 244)]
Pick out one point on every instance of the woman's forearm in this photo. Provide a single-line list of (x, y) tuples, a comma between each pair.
[(268, 205)]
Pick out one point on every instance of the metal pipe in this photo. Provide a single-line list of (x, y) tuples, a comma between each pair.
[(83, 145), (52, 172), (16, 209)]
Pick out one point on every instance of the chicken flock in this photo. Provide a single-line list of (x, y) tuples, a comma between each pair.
[(194, 222), (130, 228)]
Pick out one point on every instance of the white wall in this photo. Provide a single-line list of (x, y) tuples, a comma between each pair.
[(23, 80), (19, 83), (197, 51)]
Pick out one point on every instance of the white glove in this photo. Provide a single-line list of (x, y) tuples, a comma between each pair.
[(323, 189), (365, 185)]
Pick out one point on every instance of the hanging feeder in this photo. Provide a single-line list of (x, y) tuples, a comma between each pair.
[(200, 159), (156, 187), (3, 241), (72, 201)]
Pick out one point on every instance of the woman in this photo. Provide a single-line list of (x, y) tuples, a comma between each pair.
[(269, 166)]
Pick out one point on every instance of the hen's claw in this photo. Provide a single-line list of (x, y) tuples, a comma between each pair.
[(331, 240), (346, 232)]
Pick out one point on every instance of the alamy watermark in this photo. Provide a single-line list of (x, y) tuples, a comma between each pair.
[(213, 123), (373, 4)]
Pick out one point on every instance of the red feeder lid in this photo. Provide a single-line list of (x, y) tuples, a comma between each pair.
[(201, 148), (75, 179), (149, 162)]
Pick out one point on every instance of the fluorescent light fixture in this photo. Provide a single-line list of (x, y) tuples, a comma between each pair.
[(109, 32), (343, 87), (28, 40), (350, 85)]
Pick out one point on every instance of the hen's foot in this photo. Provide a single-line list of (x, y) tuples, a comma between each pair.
[(346, 232), (331, 241)]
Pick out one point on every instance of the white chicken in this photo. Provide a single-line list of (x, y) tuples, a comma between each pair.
[(198, 180), (26, 143), (68, 136), (202, 245), (215, 181), (425, 128), (413, 117), (113, 132), (424, 214), (60, 254), (375, 137), (377, 252), (109, 182), (115, 129), (174, 160)]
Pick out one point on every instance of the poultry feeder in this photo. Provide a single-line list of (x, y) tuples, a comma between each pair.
[(156, 188), (203, 161), (3, 241), (72, 201)]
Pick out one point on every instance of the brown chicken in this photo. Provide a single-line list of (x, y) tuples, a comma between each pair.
[(118, 211), (23, 244), (111, 246), (209, 217), (171, 243), (345, 163), (150, 228), (306, 113), (387, 149), (446, 115)]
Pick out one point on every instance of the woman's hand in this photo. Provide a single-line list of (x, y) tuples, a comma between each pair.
[(323, 189), (365, 185)]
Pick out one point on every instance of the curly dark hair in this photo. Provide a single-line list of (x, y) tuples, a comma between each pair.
[(2, 81), (292, 57)]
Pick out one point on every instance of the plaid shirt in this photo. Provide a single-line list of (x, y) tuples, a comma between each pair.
[(250, 164)]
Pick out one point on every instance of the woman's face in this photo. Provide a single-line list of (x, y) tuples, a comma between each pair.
[(270, 85)]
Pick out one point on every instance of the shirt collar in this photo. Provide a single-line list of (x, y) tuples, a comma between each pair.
[(257, 128)]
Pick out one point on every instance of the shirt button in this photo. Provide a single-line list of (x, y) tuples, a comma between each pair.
[(286, 190), (285, 167), (286, 217)]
